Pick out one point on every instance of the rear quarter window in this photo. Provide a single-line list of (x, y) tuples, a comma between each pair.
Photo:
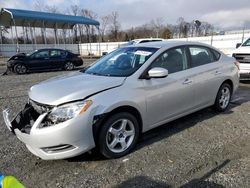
[(216, 54), (63, 53)]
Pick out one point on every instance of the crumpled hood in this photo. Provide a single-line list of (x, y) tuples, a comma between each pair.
[(71, 87)]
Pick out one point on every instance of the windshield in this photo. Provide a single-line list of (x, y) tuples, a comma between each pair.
[(122, 62), (247, 43)]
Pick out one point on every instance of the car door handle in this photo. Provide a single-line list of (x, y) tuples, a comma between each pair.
[(187, 81), (217, 73)]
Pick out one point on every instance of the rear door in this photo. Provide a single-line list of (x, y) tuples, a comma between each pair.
[(207, 74), (39, 60), (169, 97), (57, 58)]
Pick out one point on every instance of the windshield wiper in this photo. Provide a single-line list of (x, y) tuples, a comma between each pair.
[(98, 74)]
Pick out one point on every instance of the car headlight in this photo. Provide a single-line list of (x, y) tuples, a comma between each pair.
[(68, 111)]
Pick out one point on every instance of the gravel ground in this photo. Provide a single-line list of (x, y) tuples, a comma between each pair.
[(204, 149)]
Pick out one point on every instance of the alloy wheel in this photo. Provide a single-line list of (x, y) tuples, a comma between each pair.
[(69, 66), (120, 135), (20, 69), (225, 97)]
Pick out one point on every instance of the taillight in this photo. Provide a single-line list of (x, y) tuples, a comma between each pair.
[(237, 64)]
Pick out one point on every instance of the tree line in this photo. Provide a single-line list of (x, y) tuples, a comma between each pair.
[(110, 29)]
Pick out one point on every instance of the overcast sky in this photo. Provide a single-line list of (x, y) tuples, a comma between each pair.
[(222, 13)]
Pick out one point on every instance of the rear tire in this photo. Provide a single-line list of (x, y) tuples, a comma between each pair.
[(68, 66), (223, 98), (118, 135), (20, 69)]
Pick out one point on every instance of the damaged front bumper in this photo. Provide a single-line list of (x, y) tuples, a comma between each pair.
[(64, 140)]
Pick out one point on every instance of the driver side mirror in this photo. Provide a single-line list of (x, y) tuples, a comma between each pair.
[(157, 72)]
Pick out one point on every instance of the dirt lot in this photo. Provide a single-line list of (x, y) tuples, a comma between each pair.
[(204, 149)]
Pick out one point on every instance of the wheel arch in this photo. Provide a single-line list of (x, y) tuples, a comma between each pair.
[(230, 82), (100, 119), (20, 63)]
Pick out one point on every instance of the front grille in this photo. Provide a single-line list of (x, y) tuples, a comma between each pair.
[(40, 108), (242, 58)]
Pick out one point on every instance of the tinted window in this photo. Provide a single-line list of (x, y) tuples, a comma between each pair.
[(41, 54), (200, 56), (173, 60), (57, 53)]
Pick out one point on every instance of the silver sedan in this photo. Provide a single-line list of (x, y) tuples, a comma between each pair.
[(125, 93)]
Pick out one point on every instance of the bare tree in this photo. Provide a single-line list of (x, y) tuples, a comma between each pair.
[(103, 26), (38, 5), (53, 9), (90, 30), (206, 28), (157, 25), (75, 11), (3, 31), (197, 24), (166, 33), (114, 25)]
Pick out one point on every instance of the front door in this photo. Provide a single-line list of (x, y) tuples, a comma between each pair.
[(39, 60), (169, 97)]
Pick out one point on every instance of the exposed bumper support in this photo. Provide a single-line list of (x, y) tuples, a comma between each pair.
[(64, 140)]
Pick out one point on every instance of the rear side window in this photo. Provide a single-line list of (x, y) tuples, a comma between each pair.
[(57, 53), (200, 56)]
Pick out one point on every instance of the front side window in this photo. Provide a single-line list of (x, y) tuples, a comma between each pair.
[(174, 60), (200, 56), (41, 54), (122, 62)]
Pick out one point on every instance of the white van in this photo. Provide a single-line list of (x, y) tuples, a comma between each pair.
[(242, 55)]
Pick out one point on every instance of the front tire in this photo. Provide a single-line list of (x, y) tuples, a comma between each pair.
[(223, 98), (20, 69), (118, 135)]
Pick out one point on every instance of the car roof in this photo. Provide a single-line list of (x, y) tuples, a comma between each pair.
[(141, 39), (51, 49), (170, 43)]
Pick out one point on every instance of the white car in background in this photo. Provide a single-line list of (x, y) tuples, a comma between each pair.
[(144, 40), (242, 55), (133, 42)]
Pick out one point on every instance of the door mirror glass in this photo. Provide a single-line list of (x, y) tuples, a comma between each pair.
[(238, 45), (157, 72)]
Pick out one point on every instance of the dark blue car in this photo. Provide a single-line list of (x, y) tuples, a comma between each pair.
[(44, 59)]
